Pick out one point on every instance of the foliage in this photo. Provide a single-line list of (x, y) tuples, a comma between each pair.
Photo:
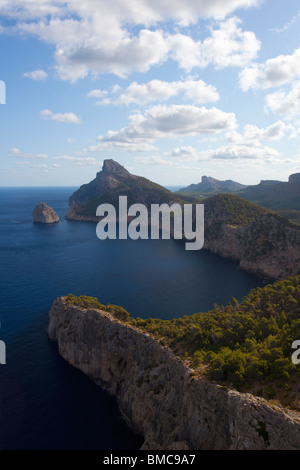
[(87, 302), (240, 344)]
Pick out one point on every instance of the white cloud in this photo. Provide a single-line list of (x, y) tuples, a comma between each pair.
[(97, 37), (233, 152), (227, 46), (36, 75), (253, 135), (157, 90), (186, 152), (131, 11), (285, 103), (97, 93), (15, 152), (274, 72), (60, 117), (168, 122)]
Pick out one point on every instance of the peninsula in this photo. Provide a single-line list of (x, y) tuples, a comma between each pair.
[(177, 381)]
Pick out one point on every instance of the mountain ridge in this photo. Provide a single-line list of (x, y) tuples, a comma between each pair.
[(210, 186)]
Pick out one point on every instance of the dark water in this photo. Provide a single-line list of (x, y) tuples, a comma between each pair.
[(44, 402)]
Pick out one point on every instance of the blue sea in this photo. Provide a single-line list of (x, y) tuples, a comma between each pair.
[(44, 402)]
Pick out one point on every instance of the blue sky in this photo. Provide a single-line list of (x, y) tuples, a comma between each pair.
[(171, 89)]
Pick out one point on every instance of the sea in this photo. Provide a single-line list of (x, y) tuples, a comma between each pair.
[(44, 402)]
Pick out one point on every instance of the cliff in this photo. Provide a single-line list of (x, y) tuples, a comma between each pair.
[(156, 392), (44, 214), (261, 241)]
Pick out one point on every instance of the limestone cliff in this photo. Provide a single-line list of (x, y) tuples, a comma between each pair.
[(44, 214), (262, 242), (157, 394)]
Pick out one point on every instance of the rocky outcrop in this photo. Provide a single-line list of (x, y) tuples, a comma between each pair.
[(157, 393), (44, 214)]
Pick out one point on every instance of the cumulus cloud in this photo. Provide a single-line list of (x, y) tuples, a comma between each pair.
[(97, 93), (187, 152), (36, 75), (60, 117), (253, 135), (163, 121), (157, 90), (285, 103), (169, 122), (227, 46), (233, 152), (274, 72), (132, 11), (98, 37)]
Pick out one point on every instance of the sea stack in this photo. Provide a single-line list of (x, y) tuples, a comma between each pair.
[(44, 214)]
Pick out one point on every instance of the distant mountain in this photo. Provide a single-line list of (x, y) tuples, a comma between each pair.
[(210, 186), (114, 181), (275, 195)]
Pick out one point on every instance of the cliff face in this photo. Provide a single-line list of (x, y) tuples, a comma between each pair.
[(157, 394), (268, 246), (44, 214)]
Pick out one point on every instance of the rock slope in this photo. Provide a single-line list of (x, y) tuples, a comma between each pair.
[(156, 392), (44, 214), (110, 183)]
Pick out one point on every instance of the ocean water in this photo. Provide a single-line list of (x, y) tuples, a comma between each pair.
[(44, 402)]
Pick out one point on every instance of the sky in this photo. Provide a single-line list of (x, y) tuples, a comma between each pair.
[(172, 90)]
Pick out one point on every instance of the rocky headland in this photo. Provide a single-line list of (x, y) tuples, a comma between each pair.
[(158, 394)]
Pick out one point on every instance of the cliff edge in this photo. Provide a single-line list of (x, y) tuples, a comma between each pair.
[(156, 392)]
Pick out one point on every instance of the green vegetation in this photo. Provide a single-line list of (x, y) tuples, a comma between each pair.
[(232, 209), (293, 215), (243, 345), (87, 302), (275, 195)]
